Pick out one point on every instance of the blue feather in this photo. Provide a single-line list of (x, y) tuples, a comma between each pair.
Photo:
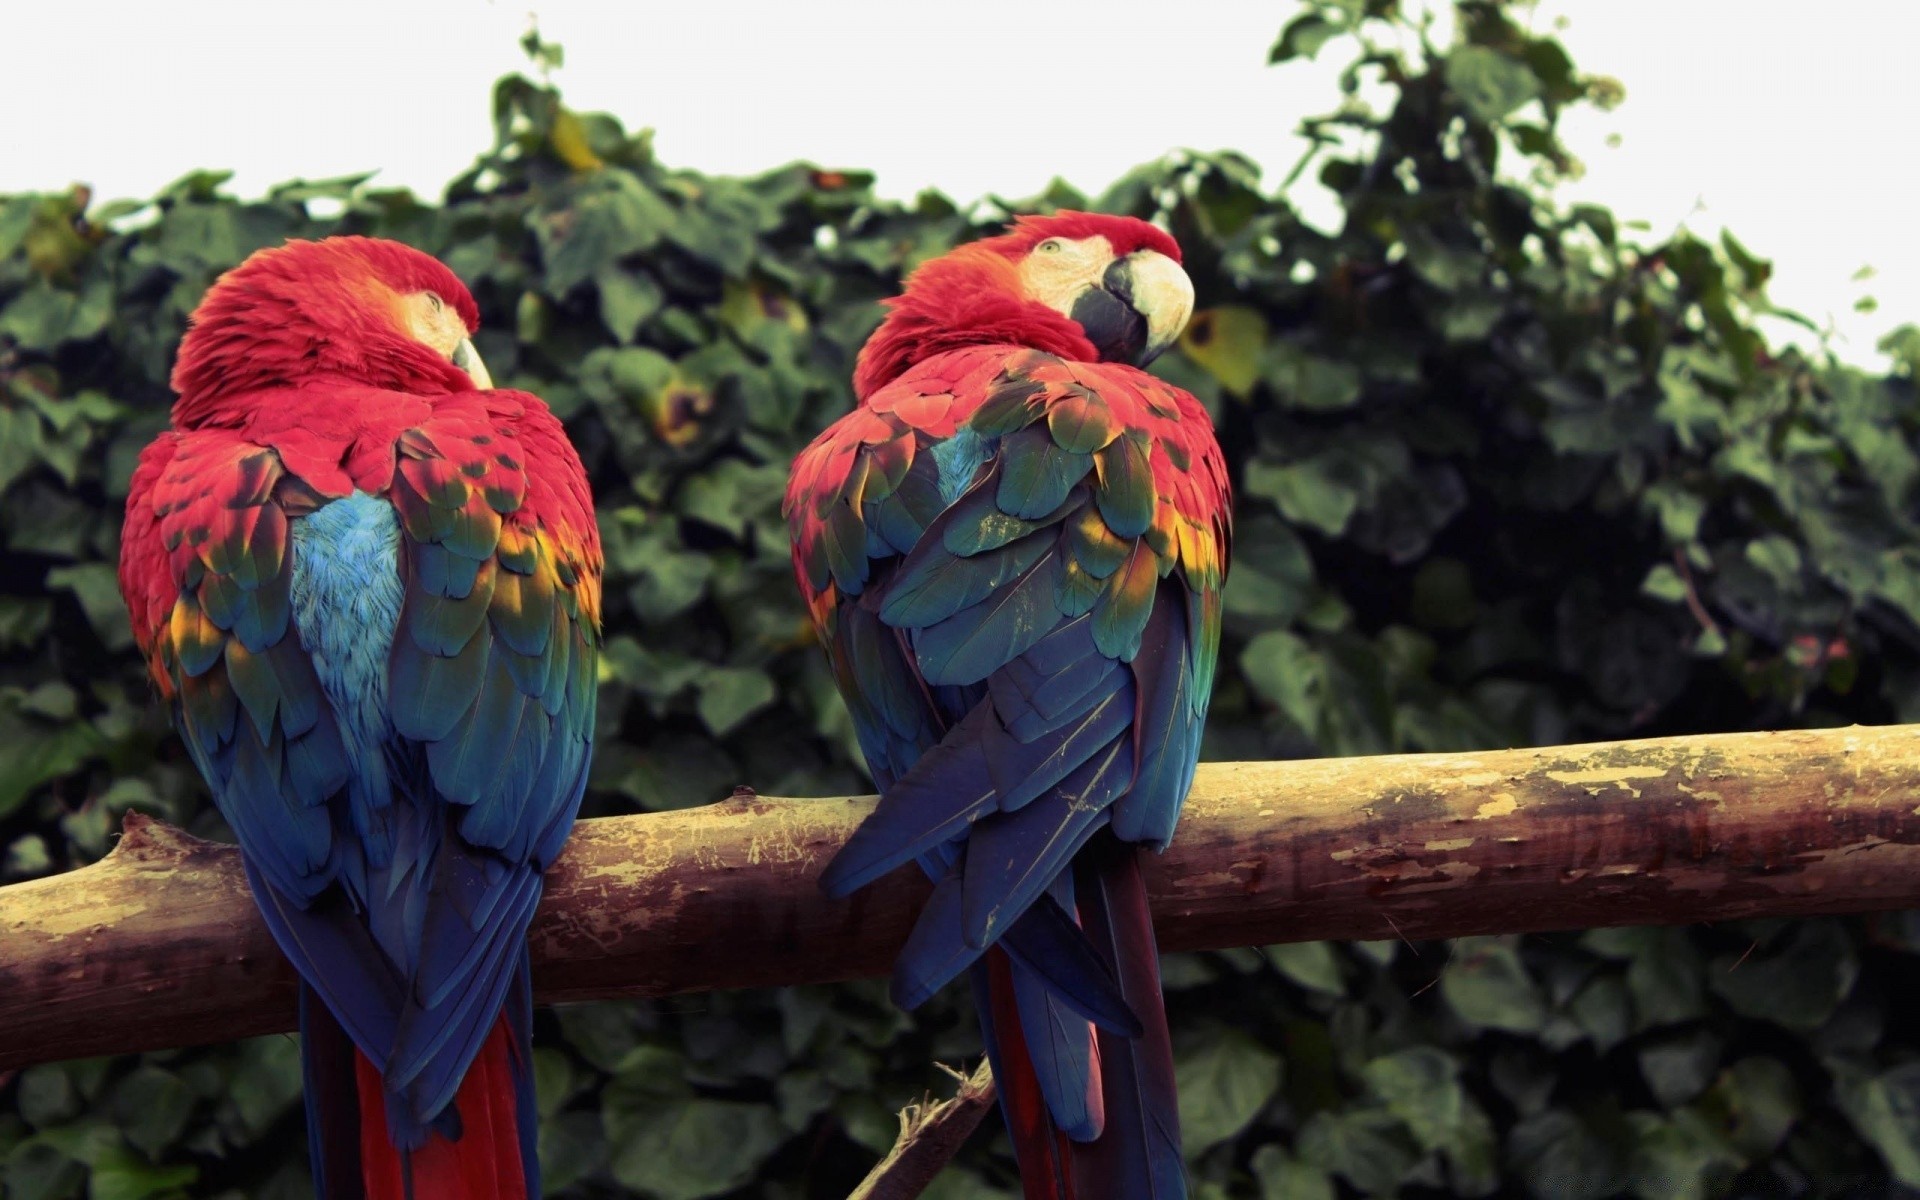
[(1012, 858), (1061, 1044)]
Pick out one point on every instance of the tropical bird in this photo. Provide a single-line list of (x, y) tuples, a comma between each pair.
[(1013, 550), (368, 584)]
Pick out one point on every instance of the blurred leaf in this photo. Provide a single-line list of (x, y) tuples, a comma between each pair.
[(1886, 1108), (1366, 1146), (1302, 38), (1228, 342), (1285, 1178), (1310, 964), (1222, 1082), (729, 695), (690, 1149), (1485, 983), (1796, 985), (1489, 83), (1307, 493)]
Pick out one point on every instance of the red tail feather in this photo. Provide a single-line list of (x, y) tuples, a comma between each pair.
[(484, 1164), (1043, 1152)]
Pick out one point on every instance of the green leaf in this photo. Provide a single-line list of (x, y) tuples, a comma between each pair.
[(1490, 84), (1312, 965), (1369, 1147), (1302, 38), (627, 300), (1223, 1081), (1284, 668), (1779, 557), (1664, 973), (1682, 1158), (1796, 985), (571, 1147), (1283, 1177), (1677, 1068), (97, 587), (152, 1106), (1885, 1108), (612, 216), (690, 1149), (1557, 1155), (1664, 583), (729, 695), (1309, 493), (1308, 381), (1758, 1102), (42, 753), (38, 1170), (1228, 343), (46, 1095), (122, 1176), (1485, 983)]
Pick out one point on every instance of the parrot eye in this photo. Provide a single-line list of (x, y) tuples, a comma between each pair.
[(1050, 246), (434, 302)]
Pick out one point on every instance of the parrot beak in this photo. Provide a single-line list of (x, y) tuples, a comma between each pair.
[(468, 359), (1140, 307)]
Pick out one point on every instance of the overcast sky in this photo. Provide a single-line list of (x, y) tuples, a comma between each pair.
[(1792, 125)]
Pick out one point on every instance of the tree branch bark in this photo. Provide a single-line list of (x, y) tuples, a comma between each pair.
[(157, 944), (930, 1135)]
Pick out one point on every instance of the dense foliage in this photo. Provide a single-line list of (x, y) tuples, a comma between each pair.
[(1507, 477)]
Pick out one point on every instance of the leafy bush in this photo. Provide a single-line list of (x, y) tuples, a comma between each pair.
[(1507, 477)]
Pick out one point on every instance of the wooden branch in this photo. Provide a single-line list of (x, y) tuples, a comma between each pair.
[(930, 1135), (157, 944)]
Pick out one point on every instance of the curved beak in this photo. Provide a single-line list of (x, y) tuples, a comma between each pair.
[(1138, 310), (468, 359)]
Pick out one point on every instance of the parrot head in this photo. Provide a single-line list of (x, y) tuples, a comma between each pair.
[(348, 310), (1081, 285)]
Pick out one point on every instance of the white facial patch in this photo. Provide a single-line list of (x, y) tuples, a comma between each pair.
[(1057, 270), (434, 322)]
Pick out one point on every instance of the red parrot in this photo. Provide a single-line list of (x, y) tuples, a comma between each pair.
[(368, 584), (1013, 550)]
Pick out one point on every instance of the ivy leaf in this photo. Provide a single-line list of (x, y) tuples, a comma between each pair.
[(690, 1149), (1796, 985), (1485, 983), (1309, 493), (1283, 1177), (1367, 1146), (1228, 342), (1490, 84), (1885, 1108), (729, 695), (1222, 1083)]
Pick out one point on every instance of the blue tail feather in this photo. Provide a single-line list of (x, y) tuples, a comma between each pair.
[(1139, 1157)]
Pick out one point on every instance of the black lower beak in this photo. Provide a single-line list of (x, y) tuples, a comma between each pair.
[(1107, 315)]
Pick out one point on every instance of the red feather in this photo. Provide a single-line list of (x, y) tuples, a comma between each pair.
[(483, 1165)]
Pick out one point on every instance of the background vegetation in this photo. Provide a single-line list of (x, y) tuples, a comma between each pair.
[(1509, 475)]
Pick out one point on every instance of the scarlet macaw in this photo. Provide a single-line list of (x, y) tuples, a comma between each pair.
[(369, 586), (1013, 549)]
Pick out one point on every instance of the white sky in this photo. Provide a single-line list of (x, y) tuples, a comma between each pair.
[(1793, 126)]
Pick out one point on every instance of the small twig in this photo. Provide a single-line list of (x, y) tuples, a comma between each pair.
[(1694, 604), (930, 1135), (1395, 926), (1452, 944), (1736, 962)]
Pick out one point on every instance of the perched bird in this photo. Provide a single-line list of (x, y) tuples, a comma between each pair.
[(368, 583), (1013, 549)]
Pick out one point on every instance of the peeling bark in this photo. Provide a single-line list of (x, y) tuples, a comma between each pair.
[(930, 1135), (157, 944)]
